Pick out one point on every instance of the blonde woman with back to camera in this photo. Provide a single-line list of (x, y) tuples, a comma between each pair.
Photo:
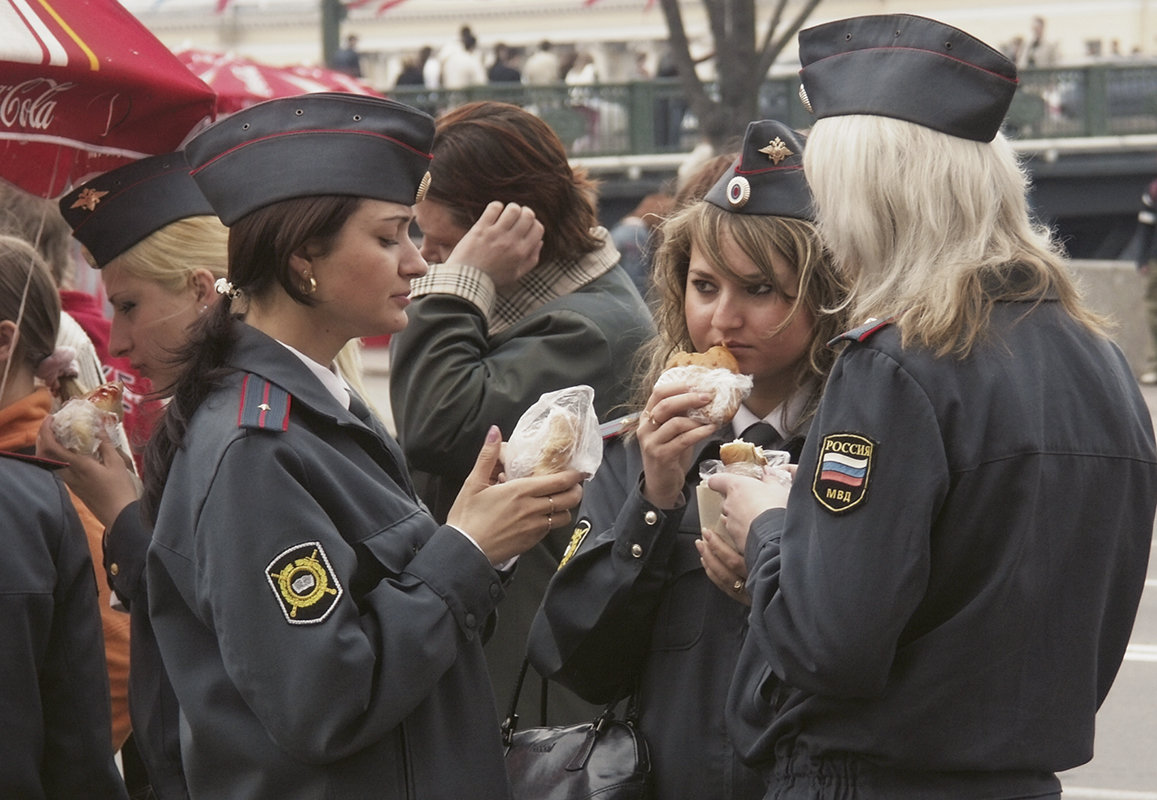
[(942, 599)]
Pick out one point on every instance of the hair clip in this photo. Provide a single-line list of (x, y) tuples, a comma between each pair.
[(225, 287)]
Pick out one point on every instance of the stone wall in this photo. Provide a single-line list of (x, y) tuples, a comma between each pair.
[(1115, 289)]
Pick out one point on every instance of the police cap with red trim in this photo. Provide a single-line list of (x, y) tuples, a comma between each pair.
[(310, 145), (906, 67), (119, 208), (767, 179)]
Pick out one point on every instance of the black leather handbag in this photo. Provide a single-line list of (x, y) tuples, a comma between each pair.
[(606, 758)]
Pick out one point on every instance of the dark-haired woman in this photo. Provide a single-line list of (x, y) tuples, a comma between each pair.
[(322, 632), (501, 323)]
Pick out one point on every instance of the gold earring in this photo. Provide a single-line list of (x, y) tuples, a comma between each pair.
[(308, 284)]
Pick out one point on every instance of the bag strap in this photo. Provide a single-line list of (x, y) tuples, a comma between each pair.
[(510, 723)]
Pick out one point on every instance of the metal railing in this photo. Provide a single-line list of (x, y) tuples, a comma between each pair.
[(651, 117)]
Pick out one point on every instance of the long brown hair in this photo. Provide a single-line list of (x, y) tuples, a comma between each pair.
[(487, 151), (41, 319)]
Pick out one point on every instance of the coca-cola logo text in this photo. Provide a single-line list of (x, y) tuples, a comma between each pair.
[(30, 105)]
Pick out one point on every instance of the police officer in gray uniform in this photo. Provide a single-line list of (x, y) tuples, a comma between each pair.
[(322, 632), (945, 601), (632, 604), (109, 214)]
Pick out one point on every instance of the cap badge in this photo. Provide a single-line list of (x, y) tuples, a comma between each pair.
[(423, 187), (738, 191), (776, 150), (304, 583), (803, 98), (88, 199)]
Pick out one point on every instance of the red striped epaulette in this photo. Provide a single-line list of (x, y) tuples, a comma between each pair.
[(616, 427), (264, 405), (46, 463), (863, 332)]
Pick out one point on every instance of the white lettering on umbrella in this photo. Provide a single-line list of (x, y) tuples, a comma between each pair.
[(31, 104)]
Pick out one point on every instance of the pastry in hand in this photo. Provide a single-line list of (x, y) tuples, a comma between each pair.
[(78, 423), (740, 452), (715, 372), (559, 442)]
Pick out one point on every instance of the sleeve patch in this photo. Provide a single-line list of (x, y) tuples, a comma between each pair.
[(304, 583), (844, 471)]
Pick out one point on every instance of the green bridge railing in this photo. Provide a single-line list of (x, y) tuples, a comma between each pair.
[(651, 117)]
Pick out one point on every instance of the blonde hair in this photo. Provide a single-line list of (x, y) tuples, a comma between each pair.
[(931, 229), (706, 227), (170, 255)]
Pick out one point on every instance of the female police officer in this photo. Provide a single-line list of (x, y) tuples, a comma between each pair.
[(321, 631), (946, 600), (742, 267)]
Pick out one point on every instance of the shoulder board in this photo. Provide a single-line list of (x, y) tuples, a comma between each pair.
[(616, 427), (863, 332), (264, 405), (46, 463)]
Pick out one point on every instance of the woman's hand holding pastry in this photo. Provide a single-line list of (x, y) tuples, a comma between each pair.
[(105, 482), (667, 439), (507, 518), (744, 499)]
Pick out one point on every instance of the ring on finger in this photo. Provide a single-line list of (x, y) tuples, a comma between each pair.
[(549, 522), (651, 419), (550, 497), (737, 587)]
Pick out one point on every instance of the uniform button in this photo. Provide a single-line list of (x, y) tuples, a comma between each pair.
[(115, 569), (637, 550), (650, 517), (494, 590), (471, 621)]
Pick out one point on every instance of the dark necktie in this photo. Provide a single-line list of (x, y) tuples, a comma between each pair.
[(768, 438), (762, 434)]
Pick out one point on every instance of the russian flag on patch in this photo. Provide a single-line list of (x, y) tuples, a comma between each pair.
[(841, 481)]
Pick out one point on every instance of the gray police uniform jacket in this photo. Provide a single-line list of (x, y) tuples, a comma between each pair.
[(55, 728), (152, 704), (633, 603), (950, 592), (321, 631)]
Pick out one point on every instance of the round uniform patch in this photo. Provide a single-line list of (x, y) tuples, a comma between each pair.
[(576, 539), (304, 583), (738, 191), (845, 467)]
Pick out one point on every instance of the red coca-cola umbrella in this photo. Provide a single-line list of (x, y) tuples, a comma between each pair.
[(85, 88), (240, 82)]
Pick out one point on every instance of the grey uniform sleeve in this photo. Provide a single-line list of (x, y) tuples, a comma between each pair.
[(330, 648), (831, 597), (593, 628)]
